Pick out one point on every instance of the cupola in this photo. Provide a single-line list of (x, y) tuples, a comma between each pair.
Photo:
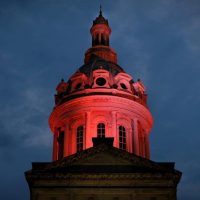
[(100, 100)]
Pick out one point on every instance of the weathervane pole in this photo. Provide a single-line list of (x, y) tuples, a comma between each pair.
[(100, 12)]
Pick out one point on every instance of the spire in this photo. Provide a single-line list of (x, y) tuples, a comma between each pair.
[(100, 11), (100, 19)]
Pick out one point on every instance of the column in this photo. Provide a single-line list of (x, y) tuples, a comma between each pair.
[(143, 145), (87, 134), (66, 140), (114, 128), (55, 145), (147, 149), (130, 139), (72, 146), (136, 137), (99, 38)]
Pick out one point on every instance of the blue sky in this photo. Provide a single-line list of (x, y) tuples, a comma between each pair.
[(42, 41)]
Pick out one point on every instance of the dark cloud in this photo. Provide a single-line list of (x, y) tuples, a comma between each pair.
[(5, 140)]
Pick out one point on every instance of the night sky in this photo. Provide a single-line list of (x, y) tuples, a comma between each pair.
[(42, 41)]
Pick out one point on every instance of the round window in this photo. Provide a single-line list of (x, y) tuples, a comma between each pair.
[(101, 81), (123, 86)]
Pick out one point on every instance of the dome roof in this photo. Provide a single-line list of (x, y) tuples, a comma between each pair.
[(100, 74), (100, 19), (99, 63)]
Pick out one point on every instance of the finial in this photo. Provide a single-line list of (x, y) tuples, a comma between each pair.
[(100, 11)]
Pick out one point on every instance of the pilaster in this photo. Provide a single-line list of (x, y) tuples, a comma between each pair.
[(114, 128), (87, 130), (136, 137)]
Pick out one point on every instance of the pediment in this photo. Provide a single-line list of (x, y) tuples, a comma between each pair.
[(103, 157)]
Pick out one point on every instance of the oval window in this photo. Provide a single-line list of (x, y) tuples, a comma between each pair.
[(123, 86), (101, 81)]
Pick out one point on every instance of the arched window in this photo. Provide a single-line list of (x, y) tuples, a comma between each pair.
[(101, 130), (79, 138), (122, 138), (60, 141)]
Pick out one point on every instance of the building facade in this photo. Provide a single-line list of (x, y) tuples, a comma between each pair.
[(101, 125)]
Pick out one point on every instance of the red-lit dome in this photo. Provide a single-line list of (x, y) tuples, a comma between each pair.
[(100, 100)]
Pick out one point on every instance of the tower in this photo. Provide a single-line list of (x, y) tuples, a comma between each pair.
[(100, 125), (100, 100)]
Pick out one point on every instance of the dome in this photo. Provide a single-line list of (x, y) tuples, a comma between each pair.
[(100, 100), (100, 19), (100, 63), (100, 76)]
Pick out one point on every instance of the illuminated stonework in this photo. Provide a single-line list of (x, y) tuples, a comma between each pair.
[(101, 125), (100, 92)]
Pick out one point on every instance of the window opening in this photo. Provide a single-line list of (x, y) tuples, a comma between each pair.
[(60, 140), (101, 81), (78, 86), (79, 138), (123, 86), (101, 130), (122, 138)]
